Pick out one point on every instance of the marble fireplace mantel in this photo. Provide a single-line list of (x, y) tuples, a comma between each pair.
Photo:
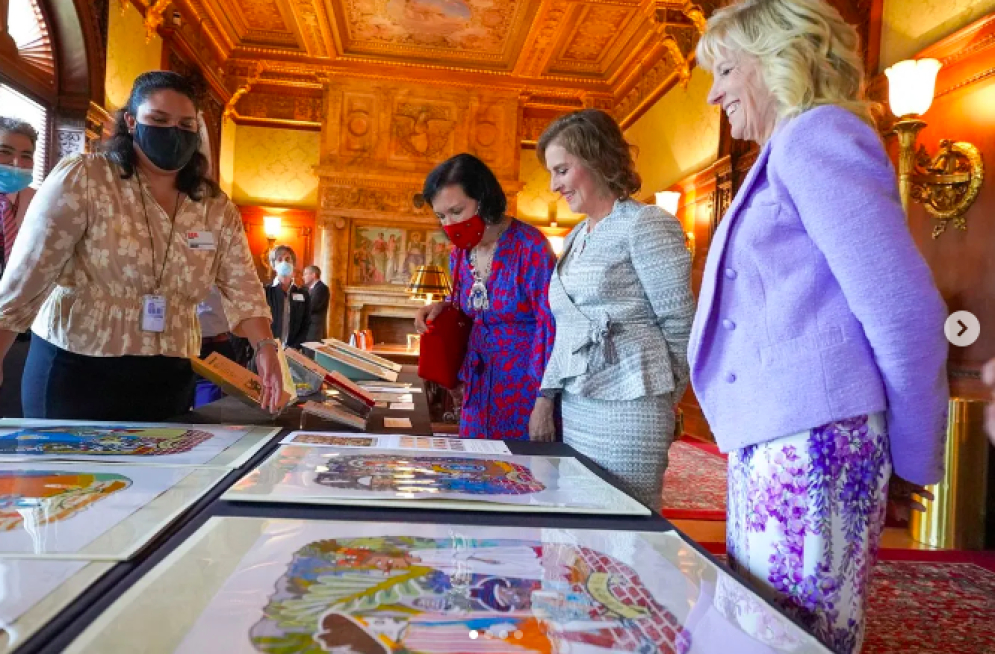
[(361, 302)]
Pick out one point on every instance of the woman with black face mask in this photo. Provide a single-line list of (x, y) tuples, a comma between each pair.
[(115, 253)]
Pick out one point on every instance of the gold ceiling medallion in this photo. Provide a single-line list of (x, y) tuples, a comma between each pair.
[(948, 183)]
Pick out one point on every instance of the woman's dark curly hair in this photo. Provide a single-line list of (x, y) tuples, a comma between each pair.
[(595, 138), (192, 179), (476, 180)]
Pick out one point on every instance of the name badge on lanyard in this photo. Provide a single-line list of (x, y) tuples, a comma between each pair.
[(201, 241), (153, 313)]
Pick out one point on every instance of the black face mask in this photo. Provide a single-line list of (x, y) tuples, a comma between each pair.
[(169, 148)]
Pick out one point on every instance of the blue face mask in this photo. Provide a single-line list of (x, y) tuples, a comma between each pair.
[(14, 179), (284, 269)]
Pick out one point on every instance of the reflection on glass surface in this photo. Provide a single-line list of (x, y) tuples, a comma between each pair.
[(350, 475), (375, 587)]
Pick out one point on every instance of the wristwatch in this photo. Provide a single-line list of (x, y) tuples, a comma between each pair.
[(266, 341)]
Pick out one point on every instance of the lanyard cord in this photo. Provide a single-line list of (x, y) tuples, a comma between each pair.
[(169, 240)]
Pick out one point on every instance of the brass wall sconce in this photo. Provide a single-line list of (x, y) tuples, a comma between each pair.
[(272, 227), (947, 183)]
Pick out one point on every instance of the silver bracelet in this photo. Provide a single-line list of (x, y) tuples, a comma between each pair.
[(266, 341)]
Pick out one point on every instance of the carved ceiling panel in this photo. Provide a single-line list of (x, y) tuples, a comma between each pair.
[(620, 55), (598, 28), (262, 15)]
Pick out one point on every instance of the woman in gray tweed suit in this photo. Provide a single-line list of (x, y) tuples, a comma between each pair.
[(621, 297)]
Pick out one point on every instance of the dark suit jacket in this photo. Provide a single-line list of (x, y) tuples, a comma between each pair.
[(300, 312), (319, 311)]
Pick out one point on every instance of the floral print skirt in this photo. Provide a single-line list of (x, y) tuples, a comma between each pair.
[(804, 523)]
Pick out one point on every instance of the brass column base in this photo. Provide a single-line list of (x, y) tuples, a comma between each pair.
[(956, 518)]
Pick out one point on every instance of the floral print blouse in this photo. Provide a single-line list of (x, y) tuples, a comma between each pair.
[(83, 260)]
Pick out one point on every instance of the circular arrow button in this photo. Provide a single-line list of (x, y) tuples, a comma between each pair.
[(962, 328)]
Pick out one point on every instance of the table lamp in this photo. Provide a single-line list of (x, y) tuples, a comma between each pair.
[(427, 282)]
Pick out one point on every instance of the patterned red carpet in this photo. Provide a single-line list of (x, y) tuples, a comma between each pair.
[(932, 602), (926, 602), (694, 486)]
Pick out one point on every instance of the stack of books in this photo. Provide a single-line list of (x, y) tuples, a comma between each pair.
[(348, 404), (353, 363)]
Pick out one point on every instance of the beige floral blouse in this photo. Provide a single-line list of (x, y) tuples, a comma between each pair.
[(83, 260)]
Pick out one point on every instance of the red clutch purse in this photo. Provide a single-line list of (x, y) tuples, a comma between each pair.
[(443, 348)]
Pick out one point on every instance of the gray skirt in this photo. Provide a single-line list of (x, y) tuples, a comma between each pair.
[(628, 438)]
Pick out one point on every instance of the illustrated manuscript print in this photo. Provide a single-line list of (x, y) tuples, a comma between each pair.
[(80, 440), (428, 474), (45, 496), (454, 596)]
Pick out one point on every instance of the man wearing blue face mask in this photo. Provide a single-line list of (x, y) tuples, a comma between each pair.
[(289, 303), (17, 162)]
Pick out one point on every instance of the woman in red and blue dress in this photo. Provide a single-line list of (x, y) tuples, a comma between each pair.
[(500, 269)]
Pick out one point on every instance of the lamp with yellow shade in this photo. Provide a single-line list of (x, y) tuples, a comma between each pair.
[(429, 282), (946, 184)]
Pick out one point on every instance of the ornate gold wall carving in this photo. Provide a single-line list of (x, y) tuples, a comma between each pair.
[(380, 140)]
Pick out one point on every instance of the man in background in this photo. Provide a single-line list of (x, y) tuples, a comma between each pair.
[(17, 161), (319, 303)]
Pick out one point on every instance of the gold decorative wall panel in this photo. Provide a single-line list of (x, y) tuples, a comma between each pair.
[(378, 142), (275, 167), (128, 55), (908, 26), (678, 136)]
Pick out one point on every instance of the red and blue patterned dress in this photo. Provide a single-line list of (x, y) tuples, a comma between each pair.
[(511, 341)]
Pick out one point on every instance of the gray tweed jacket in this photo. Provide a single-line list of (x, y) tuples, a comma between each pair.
[(624, 309)]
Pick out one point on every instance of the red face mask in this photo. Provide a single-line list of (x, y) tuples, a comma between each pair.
[(467, 234)]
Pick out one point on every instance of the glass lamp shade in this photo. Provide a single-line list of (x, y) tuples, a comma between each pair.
[(557, 243), (272, 226), (668, 201), (429, 281), (911, 84)]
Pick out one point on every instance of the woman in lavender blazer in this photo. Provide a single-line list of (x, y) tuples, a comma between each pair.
[(817, 351)]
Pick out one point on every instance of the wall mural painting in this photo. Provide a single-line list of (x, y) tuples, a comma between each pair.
[(414, 594), (59, 495), (391, 255), (480, 25)]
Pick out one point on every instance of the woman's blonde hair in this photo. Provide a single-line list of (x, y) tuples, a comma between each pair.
[(595, 138), (808, 55)]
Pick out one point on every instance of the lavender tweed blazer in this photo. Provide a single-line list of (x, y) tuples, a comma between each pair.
[(815, 304)]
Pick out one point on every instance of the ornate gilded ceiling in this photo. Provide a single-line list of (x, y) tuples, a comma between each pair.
[(274, 56)]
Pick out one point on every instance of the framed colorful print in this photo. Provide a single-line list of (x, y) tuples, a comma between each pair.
[(99, 512), (440, 480), (395, 442), (249, 585), (139, 444), (379, 255), (37, 590)]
